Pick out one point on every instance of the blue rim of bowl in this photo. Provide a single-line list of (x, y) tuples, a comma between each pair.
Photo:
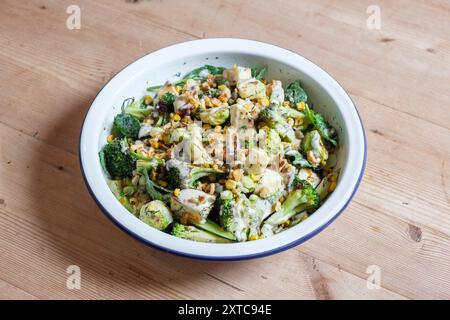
[(225, 258)]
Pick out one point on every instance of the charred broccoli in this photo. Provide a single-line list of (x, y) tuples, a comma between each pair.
[(116, 160)]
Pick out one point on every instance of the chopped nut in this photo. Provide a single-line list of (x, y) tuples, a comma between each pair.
[(237, 174), (264, 192)]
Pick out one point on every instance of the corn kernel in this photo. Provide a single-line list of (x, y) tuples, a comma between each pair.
[(155, 144), (264, 192), (231, 184), (179, 88), (287, 223), (207, 126), (222, 87), (148, 100), (286, 104), (332, 186), (216, 102), (162, 183), (223, 99), (176, 117), (254, 177), (301, 106), (253, 237), (264, 102), (110, 138), (290, 121), (176, 192), (237, 174)]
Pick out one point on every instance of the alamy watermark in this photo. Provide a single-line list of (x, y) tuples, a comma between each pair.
[(73, 281), (374, 280), (73, 22)]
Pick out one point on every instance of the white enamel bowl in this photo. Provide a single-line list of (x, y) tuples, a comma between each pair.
[(326, 95)]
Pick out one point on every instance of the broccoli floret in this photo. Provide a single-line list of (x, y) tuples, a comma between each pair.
[(318, 121), (152, 163), (295, 93), (297, 201), (196, 234), (274, 120), (125, 125), (235, 215), (168, 99), (315, 150), (156, 215), (116, 161), (182, 175), (289, 112), (226, 210)]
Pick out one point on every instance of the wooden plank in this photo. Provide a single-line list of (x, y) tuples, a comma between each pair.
[(10, 292)]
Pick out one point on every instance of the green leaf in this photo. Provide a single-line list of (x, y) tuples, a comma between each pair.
[(320, 124), (258, 73)]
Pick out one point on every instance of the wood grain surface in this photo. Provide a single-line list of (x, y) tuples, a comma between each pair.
[(399, 221)]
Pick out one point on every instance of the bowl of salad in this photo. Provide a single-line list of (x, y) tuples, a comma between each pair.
[(222, 149)]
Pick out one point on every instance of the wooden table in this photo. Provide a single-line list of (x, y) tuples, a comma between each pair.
[(399, 221)]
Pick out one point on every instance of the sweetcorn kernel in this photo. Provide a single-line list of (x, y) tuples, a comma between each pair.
[(176, 192), (253, 237), (176, 117), (207, 126), (264, 102), (222, 87), (148, 100), (332, 186), (286, 104), (301, 106), (110, 138), (155, 144), (230, 184), (162, 183)]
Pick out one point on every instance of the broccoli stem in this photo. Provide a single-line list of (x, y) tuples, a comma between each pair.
[(195, 234), (214, 228)]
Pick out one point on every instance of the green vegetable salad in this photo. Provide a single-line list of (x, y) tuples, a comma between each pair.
[(222, 155)]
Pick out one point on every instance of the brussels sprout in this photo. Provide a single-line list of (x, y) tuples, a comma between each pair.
[(251, 89), (215, 116), (156, 215), (270, 184)]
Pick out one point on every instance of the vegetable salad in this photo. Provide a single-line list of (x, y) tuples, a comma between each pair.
[(221, 155)]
